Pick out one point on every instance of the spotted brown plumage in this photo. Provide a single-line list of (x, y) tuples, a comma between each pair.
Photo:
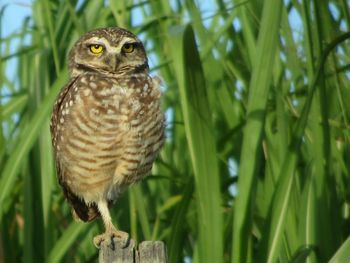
[(107, 126)]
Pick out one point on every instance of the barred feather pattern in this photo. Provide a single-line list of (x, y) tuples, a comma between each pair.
[(106, 134)]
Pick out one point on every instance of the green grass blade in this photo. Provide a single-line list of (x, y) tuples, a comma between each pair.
[(178, 230), (25, 143), (14, 106), (269, 250), (66, 241), (343, 253), (136, 191), (48, 20), (199, 134), (292, 203), (251, 149)]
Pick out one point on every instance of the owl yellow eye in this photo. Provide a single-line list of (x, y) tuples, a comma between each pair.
[(128, 48), (96, 49)]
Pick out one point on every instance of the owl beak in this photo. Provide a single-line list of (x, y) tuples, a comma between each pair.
[(117, 62)]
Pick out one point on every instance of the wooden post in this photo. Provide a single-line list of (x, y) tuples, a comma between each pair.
[(147, 252)]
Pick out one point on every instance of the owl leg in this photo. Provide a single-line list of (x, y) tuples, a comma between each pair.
[(111, 232)]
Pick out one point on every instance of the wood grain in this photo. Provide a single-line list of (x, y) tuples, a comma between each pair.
[(146, 252)]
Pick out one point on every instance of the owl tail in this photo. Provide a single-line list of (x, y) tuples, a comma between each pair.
[(80, 210), (91, 215)]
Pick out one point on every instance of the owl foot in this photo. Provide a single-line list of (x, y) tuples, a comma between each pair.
[(112, 239)]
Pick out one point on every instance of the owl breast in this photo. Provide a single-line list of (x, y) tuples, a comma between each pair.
[(109, 133)]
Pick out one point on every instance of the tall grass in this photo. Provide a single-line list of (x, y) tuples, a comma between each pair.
[(257, 158)]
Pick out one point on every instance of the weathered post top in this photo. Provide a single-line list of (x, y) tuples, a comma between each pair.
[(146, 252)]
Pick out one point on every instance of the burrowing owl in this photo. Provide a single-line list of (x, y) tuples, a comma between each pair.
[(107, 126)]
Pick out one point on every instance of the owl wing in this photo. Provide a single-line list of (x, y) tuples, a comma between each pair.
[(80, 209)]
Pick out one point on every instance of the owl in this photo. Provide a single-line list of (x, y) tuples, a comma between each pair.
[(107, 125)]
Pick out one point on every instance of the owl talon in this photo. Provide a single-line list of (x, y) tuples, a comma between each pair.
[(108, 112), (112, 239)]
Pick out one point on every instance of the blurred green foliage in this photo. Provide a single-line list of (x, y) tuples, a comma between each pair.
[(256, 163)]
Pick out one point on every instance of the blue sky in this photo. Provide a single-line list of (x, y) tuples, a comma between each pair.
[(12, 20), (15, 11)]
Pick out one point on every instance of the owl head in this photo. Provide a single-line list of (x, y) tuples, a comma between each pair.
[(111, 50)]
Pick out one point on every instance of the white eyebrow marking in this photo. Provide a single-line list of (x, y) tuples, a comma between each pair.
[(128, 40), (98, 40), (115, 49)]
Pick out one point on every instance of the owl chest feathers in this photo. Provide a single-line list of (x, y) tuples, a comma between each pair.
[(110, 131)]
